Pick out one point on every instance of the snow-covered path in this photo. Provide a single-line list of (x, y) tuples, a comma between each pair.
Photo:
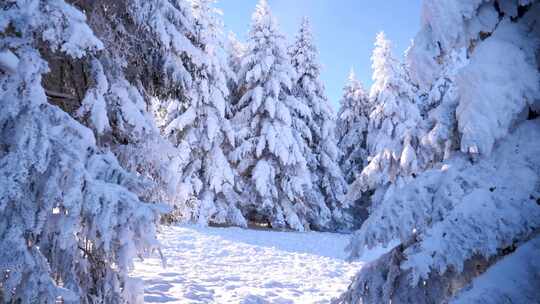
[(232, 265)]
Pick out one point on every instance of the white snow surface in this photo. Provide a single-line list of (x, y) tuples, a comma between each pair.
[(234, 265), (514, 279)]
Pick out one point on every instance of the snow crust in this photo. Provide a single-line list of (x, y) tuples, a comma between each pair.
[(8, 61), (233, 265), (514, 279)]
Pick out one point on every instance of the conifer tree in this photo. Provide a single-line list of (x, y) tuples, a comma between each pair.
[(269, 154), (472, 203), (70, 224), (328, 184), (394, 125), (113, 90), (352, 124), (194, 118), (235, 53)]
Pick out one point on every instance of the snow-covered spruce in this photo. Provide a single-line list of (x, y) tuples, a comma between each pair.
[(194, 119), (235, 53), (451, 193), (352, 126), (113, 98), (69, 226), (476, 201), (325, 197), (393, 129), (117, 111), (269, 156)]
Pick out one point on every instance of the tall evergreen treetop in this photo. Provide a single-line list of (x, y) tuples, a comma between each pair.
[(321, 148), (269, 156), (353, 117)]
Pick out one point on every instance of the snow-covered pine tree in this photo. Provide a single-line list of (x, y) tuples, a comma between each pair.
[(328, 184), (172, 58), (235, 53), (119, 114), (352, 126), (110, 91), (476, 63), (217, 195), (269, 154), (69, 226), (188, 55), (393, 129), (194, 120), (172, 26)]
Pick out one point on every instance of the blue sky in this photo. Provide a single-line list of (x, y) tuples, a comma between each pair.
[(344, 31)]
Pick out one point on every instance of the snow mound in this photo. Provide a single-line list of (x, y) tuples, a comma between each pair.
[(233, 265), (514, 279)]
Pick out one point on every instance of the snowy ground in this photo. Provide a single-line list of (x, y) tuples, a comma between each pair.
[(232, 265)]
